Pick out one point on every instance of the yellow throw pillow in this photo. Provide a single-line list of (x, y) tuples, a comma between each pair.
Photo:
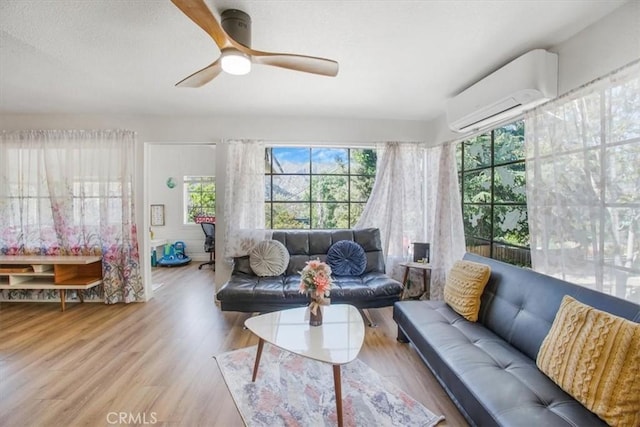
[(595, 357), (462, 290)]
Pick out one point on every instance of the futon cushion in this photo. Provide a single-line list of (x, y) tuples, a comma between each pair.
[(269, 258), (464, 285), (346, 258), (595, 357)]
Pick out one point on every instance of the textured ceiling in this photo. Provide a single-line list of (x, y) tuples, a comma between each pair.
[(398, 59)]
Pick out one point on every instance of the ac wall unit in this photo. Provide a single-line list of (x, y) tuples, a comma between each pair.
[(523, 83)]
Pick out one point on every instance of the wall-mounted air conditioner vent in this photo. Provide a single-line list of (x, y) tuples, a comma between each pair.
[(520, 85)]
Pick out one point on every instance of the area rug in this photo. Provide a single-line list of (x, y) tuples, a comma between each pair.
[(291, 390)]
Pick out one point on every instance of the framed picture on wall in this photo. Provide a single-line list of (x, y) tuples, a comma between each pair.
[(157, 214)]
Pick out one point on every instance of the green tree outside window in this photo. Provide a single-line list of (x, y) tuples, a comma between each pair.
[(493, 189), (317, 188), (199, 197)]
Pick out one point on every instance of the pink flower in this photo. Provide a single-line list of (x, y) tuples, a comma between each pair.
[(316, 278), (323, 284)]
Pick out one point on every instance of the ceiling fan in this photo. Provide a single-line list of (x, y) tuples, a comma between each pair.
[(233, 37)]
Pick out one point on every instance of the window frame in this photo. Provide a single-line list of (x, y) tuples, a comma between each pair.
[(498, 248), (200, 180), (311, 200)]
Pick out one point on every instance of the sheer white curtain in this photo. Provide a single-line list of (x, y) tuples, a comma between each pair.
[(583, 185), (414, 200), (72, 193), (244, 196), (396, 203), (445, 229)]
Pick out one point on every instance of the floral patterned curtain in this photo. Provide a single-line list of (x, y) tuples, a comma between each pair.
[(72, 193), (244, 196)]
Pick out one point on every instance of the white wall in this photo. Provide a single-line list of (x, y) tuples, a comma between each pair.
[(177, 161), (599, 49)]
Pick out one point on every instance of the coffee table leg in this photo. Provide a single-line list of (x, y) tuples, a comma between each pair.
[(258, 354), (337, 383)]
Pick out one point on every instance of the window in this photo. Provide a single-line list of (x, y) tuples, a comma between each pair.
[(199, 197), (583, 155), (316, 188), (494, 204), (92, 199)]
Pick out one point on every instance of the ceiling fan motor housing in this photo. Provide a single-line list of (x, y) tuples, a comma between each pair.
[(237, 24)]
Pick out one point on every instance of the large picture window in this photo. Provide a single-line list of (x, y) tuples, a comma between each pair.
[(199, 197), (494, 204), (317, 188), (583, 177)]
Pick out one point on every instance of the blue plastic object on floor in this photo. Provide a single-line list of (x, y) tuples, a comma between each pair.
[(174, 255)]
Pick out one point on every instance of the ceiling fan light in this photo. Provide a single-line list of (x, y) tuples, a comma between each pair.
[(235, 62)]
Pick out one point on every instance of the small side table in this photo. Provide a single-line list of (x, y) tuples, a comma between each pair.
[(426, 278)]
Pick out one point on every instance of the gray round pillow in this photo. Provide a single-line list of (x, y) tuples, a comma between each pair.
[(269, 258)]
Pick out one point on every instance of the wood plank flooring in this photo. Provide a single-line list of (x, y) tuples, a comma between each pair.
[(153, 362)]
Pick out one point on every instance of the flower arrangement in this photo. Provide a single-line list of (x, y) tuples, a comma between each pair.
[(316, 282)]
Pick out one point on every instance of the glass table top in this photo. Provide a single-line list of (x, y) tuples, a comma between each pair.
[(337, 341)]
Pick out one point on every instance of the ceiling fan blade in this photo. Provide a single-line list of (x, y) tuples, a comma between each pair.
[(199, 12), (202, 77), (307, 64)]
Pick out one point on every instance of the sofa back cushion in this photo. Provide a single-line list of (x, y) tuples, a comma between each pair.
[(520, 304), (304, 245)]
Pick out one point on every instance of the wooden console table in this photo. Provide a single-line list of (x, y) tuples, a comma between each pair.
[(61, 273)]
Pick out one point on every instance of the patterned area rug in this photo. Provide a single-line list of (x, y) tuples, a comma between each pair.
[(292, 390)]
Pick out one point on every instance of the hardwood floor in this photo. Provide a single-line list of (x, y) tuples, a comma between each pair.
[(153, 362)]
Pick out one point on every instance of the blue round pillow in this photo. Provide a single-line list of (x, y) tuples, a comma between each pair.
[(346, 258)]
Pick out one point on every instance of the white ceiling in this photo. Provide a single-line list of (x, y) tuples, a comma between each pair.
[(398, 59)]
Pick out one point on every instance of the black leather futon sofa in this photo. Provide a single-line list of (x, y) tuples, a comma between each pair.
[(247, 292), (489, 367)]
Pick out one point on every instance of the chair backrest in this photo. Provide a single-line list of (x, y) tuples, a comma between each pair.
[(209, 230)]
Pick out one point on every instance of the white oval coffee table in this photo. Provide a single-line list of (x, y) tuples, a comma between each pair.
[(337, 341)]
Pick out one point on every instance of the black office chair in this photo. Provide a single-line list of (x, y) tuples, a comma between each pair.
[(209, 243)]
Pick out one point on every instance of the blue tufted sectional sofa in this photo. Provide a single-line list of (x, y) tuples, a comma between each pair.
[(247, 292), (489, 367)]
